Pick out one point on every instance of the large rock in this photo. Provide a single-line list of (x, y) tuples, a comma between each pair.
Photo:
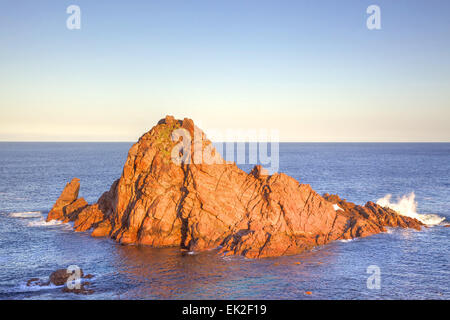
[(203, 205)]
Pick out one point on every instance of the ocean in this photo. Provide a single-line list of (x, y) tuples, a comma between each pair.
[(412, 264)]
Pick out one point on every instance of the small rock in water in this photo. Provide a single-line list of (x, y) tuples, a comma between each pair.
[(60, 276), (33, 282)]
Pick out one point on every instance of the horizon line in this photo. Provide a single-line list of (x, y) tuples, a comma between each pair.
[(129, 141)]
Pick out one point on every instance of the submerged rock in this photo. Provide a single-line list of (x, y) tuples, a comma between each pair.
[(199, 205)]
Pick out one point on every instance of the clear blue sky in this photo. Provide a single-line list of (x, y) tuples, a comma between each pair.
[(310, 69)]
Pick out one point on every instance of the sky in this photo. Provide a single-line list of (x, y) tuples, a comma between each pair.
[(310, 70)]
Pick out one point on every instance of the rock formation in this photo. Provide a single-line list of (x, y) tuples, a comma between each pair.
[(202, 202), (68, 205)]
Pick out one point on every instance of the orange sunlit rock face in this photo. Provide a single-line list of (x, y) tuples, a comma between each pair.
[(198, 206)]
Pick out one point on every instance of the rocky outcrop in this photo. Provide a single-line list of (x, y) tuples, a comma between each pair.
[(370, 218), (68, 204), (176, 190)]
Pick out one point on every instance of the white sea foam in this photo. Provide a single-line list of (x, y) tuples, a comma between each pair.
[(48, 286), (29, 214), (42, 223), (407, 206), (24, 287), (346, 240)]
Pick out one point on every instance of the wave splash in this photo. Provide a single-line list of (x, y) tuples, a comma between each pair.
[(407, 206)]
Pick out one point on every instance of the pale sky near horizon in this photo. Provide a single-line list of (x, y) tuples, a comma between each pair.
[(309, 69)]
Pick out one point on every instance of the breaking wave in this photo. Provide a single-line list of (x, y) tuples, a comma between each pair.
[(30, 214), (407, 206), (37, 219), (346, 240), (42, 223)]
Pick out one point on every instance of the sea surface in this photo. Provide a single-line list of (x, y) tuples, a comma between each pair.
[(413, 264)]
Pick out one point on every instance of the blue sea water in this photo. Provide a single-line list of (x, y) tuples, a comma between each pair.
[(413, 264)]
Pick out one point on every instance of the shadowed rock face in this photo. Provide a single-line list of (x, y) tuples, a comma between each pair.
[(199, 206)]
